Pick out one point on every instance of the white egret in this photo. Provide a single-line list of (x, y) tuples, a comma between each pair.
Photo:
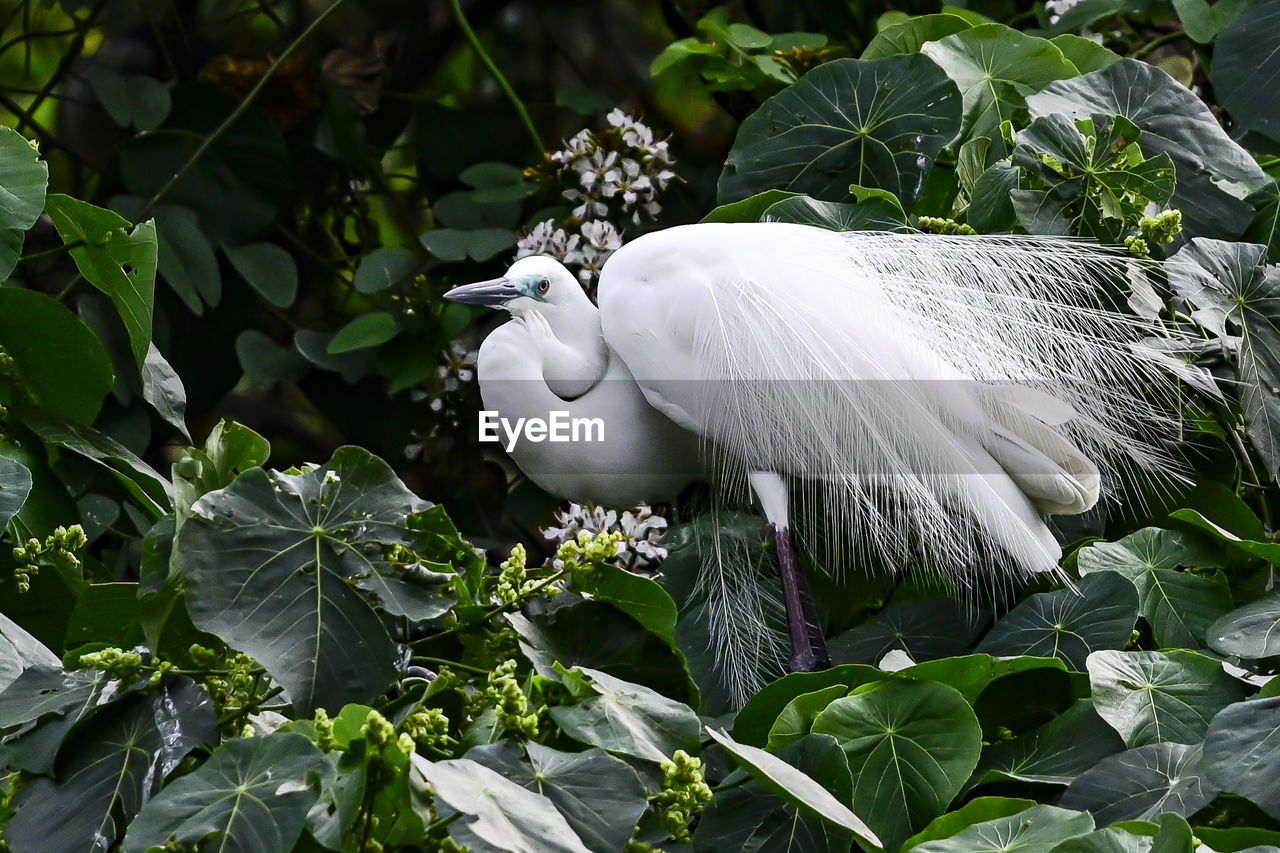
[(933, 397)]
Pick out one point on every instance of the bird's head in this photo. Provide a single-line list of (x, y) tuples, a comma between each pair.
[(535, 283)]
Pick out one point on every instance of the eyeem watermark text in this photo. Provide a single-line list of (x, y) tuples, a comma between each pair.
[(557, 426)]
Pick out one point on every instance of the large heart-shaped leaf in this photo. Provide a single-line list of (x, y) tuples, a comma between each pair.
[(795, 787), (911, 746), (1154, 697), (876, 124), (1141, 783), (754, 721), (110, 769), (503, 814), (19, 651), (1053, 754), (1173, 121), (925, 629), (1179, 606), (977, 810), (1265, 228), (1242, 751), (1228, 282), (1246, 76), (627, 718), (1251, 631), (600, 796), (23, 179), (869, 214), (995, 68), (289, 568), (1034, 830), (252, 794), (910, 35), (15, 485), (118, 261), (1068, 623)]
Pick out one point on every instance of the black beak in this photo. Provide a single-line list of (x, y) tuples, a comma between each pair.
[(494, 293)]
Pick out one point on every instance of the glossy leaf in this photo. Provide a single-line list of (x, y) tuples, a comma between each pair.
[(252, 793), (162, 388), (289, 568), (872, 214), (912, 34), (977, 810), (628, 718), (23, 178), (1141, 783), (15, 485), (1155, 697), (1246, 78), (113, 258), (367, 330), (1265, 228), (384, 267), (911, 746), (1068, 623), (1242, 751), (20, 651), (1251, 631), (70, 378), (269, 269), (1034, 830), (753, 722), (877, 124), (925, 629), (1178, 605), (1053, 754)]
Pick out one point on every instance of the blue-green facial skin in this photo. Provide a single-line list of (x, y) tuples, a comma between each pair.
[(528, 285)]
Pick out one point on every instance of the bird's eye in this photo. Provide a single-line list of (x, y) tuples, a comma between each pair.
[(544, 285)]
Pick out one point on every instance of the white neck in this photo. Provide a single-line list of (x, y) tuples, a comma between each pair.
[(571, 347)]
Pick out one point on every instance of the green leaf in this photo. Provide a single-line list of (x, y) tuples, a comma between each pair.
[(1179, 606), (162, 388), (875, 123), (640, 598), (972, 674), (1084, 53), (1269, 551), (1034, 830), (795, 787), (1251, 631), (911, 747), (1053, 754), (135, 99), (1141, 783), (119, 262), (1155, 697), (1242, 751), (975, 811), (367, 330), (753, 722), (1110, 840), (384, 267), (750, 817), (23, 179), (627, 718), (110, 769), (1068, 623), (1173, 121), (912, 34), (995, 68), (15, 485), (1237, 838), (797, 718), (600, 796), (289, 567), (1246, 78), (925, 629), (503, 815), (874, 214), (1203, 22), (1265, 228), (252, 793), (106, 613), (1227, 282), (20, 651), (750, 209), (269, 269), (264, 361), (144, 484), (186, 260), (55, 355), (584, 101), (1093, 184), (991, 205)]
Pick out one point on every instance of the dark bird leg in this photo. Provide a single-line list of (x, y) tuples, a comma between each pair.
[(808, 645)]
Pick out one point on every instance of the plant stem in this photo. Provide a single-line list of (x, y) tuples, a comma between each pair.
[(240, 109), (452, 663), (489, 614), (493, 69), (1158, 43)]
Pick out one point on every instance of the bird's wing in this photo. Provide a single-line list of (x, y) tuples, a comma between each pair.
[(862, 363)]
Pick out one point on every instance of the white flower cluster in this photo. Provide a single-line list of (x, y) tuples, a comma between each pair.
[(457, 369), (641, 531), (615, 176)]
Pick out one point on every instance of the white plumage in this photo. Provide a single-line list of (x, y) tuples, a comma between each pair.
[(933, 397)]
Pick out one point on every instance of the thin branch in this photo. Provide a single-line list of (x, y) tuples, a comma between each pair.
[(74, 49), (496, 73)]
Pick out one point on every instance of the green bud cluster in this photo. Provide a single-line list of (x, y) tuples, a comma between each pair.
[(233, 679), (378, 730), (509, 703), (58, 550), (1162, 227), (324, 731), (937, 225), (115, 662), (684, 794), (511, 577), (588, 549), (427, 727), (1137, 246)]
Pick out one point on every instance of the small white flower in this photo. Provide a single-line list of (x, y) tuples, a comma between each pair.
[(640, 528)]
